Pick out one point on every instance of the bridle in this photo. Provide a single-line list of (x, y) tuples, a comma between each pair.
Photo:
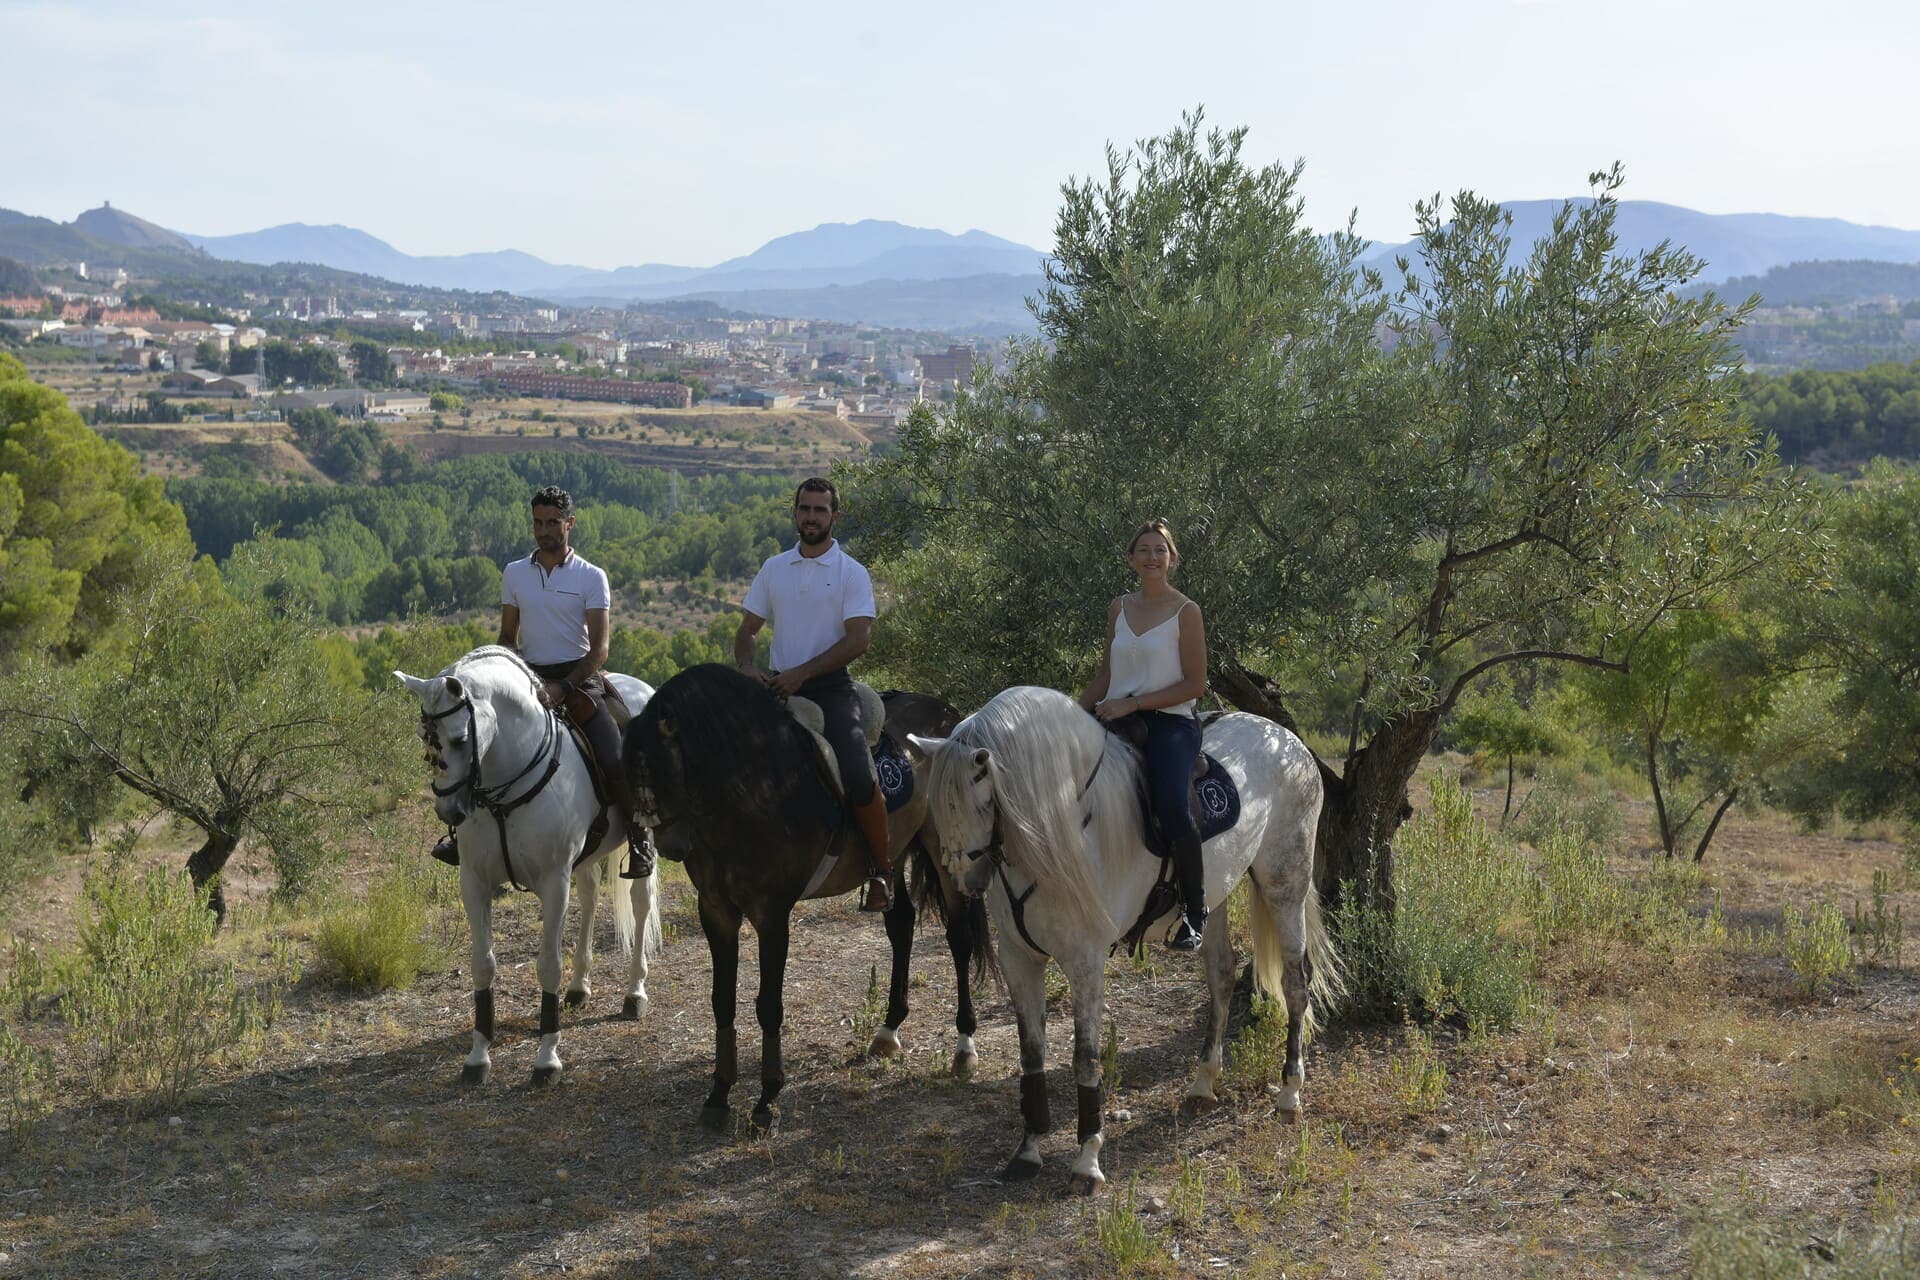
[(995, 851), (493, 798)]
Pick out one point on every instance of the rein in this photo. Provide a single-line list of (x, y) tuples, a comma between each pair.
[(996, 853), (491, 798)]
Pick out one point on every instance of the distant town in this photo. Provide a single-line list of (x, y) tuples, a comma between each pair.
[(294, 351)]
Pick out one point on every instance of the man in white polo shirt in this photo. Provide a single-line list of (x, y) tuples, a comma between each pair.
[(820, 601), (554, 607)]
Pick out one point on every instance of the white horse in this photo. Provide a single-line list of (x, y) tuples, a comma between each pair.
[(1033, 800), (512, 782)]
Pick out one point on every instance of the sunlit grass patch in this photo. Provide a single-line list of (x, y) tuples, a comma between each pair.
[(387, 939)]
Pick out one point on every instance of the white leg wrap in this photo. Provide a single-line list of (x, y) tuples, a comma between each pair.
[(549, 1055), (479, 1057), (1087, 1164)]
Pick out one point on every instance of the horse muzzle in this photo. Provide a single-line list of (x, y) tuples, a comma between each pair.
[(453, 809)]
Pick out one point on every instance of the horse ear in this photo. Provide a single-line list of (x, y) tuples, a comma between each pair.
[(414, 683), (981, 756), (667, 728), (923, 748), (453, 687)]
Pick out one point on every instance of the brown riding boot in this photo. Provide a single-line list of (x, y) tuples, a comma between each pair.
[(872, 817)]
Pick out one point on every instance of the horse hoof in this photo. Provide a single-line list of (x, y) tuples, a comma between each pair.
[(763, 1119), (473, 1073), (631, 1009), (885, 1044), (1197, 1104), (576, 999), (544, 1076), (1019, 1170), (964, 1063), (1084, 1184), (1290, 1116), (716, 1119)]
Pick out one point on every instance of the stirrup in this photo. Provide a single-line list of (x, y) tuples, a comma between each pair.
[(640, 859), (1186, 935), (886, 893)]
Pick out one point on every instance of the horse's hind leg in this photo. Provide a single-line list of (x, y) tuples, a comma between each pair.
[(773, 930), (478, 899), (1216, 952), (553, 926), (721, 924), (1027, 984), (886, 1041), (966, 938), (1087, 974), (586, 884)]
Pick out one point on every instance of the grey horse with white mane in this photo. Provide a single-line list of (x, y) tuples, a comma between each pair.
[(1034, 803)]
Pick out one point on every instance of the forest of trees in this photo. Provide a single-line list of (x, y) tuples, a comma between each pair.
[(1829, 419)]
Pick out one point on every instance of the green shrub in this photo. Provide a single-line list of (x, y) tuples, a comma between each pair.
[(1879, 933), (1123, 1237), (1561, 802), (1816, 945), (1573, 893), (384, 941), (1418, 1076), (1448, 952), (144, 1009), (1735, 1240)]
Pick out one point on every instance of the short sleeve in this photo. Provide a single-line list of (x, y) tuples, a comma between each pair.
[(507, 593), (599, 596), (859, 596), (759, 601)]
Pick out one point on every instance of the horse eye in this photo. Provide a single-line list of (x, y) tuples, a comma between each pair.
[(459, 740)]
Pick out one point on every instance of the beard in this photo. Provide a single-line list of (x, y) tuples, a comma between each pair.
[(814, 537)]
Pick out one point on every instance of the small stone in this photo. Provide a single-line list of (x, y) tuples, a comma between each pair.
[(1121, 1116), (546, 1202), (560, 1174), (1156, 1204), (1441, 1132), (174, 1122)]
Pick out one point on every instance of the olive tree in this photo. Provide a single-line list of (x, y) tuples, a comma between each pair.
[(1389, 492)]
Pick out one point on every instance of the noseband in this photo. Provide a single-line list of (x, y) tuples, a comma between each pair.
[(493, 798)]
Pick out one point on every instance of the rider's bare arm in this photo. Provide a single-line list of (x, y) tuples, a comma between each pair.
[(1096, 689), (509, 625), (743, 638), (596, 647), (844, 651), (1193, 665)]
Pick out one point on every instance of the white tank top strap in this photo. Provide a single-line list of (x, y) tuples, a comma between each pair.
[(1142, 662)]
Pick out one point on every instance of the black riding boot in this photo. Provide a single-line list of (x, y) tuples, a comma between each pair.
[(604, 734), (1189, 873)]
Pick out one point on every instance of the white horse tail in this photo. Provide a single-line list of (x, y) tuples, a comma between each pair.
[(651, 929), (1326, 977), (622, 901)]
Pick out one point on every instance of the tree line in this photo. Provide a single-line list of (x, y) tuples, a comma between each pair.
[(1838, 418)]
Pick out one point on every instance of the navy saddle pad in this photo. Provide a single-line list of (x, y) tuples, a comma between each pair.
[(1214, 800), (894, 772)]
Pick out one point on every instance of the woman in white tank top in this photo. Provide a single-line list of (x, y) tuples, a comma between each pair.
[(1155, 667)]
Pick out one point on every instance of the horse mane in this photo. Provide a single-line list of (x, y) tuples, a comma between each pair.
[(1042, 750), (493, 651), (745, 767)]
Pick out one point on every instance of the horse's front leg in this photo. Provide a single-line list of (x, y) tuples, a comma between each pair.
[(1216, 952), (645, 896), (477, 897), (553, 928), (1088, 977), (886, 1041), (769, 1005), (721, 924), (586, 886), (1027, 984)]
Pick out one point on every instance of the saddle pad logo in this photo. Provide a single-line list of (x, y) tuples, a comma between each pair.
[(894, 772), (1219, 800)]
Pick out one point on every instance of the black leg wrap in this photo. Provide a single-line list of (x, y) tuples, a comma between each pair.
[(549, 1013), (726, 1050), (1089, 1098), (483, 1013), (1033, 1103)]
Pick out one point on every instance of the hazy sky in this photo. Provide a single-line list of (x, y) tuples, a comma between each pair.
[(612, 133)]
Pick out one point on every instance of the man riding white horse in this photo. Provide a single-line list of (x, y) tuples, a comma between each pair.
[(820, 601), (554, 608)]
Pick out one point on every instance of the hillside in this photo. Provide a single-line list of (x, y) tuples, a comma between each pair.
[(1825, 283), (117, 226)]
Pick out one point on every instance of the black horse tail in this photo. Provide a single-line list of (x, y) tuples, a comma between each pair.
[(924, 888)]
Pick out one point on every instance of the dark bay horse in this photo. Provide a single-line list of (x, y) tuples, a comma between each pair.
[(733, 786)]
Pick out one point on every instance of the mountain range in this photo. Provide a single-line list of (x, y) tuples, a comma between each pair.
[(874, 271)]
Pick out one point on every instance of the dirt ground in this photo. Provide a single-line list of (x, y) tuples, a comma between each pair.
[(1589, 1143)]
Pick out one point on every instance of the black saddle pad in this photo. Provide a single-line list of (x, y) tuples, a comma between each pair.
[(1214, 800), (894, 772)]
